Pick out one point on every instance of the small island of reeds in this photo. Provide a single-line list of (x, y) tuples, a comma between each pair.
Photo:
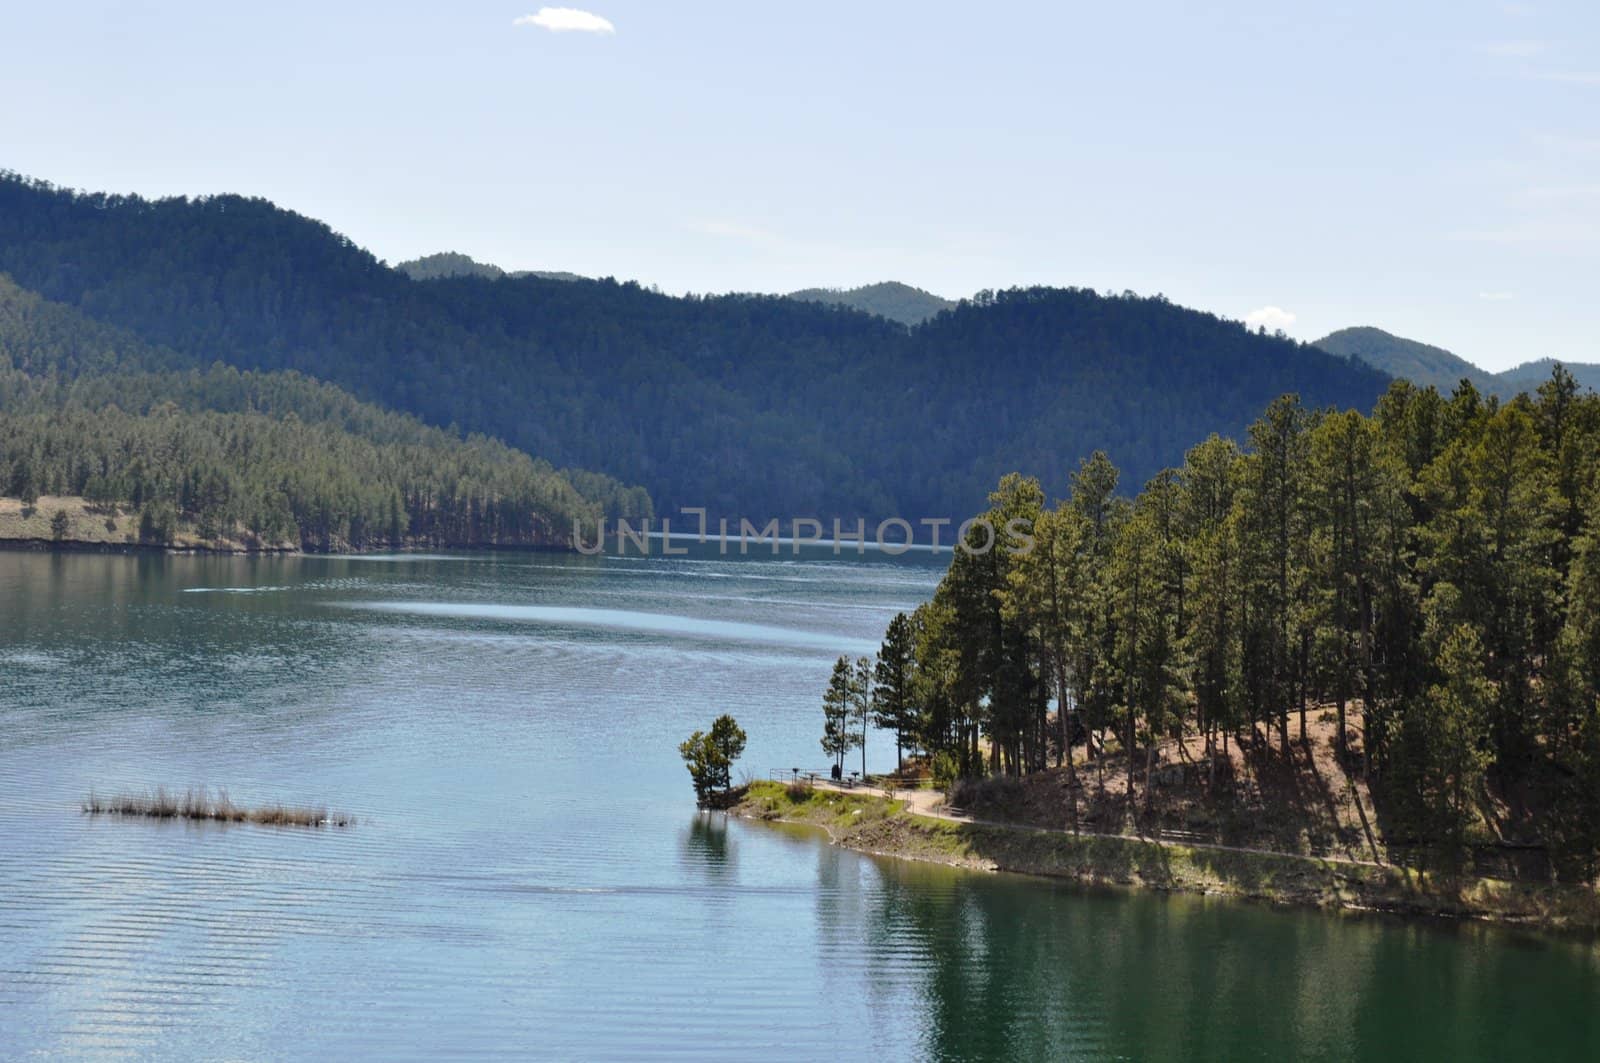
[(200, 805)]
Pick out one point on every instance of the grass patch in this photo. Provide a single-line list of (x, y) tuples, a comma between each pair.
[(815, 805), (200, 805)]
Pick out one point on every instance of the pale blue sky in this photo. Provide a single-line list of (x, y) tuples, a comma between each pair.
[(1431, 168)]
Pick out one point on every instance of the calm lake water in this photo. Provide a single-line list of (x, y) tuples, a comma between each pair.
[(530, 878)]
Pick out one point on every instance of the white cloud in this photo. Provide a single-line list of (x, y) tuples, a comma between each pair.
[(1496, 297), (566, 20), (1273, 317)]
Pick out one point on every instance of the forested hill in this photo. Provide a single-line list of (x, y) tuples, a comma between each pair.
[(1421, 363), (748, 405), (1436, 367), (256, 459), (890, 299), (1529, 375), (455, 264)]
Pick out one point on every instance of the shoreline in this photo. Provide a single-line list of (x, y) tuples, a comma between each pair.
[(869, 823), (88, 529), (89, 546)]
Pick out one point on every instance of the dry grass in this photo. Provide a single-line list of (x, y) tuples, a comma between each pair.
[(94, 527), (198, 804), (85, 524)]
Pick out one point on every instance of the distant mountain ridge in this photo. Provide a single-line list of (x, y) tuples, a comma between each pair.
[(748, 405), (890, 299), (455, 264), (1529, 375), (1425, 364)]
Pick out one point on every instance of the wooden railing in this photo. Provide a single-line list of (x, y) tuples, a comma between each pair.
[(850, 780)]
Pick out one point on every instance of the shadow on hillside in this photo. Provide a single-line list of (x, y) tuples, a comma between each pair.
[(1298, 800)]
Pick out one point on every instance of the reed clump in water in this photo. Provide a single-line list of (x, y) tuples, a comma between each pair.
[(199, 804)]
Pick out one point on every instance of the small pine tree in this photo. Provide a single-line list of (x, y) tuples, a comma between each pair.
[(700, 756), (710, 757), (60, 525), (728, 738), (158, 524), (101, 493), (838, 704)]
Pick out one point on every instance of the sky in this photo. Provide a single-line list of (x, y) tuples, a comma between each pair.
[(1429, 168)]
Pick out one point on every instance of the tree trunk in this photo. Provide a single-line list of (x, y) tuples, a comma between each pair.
[(1066, 733), (1131, 735), (1302, 713), (1149, 771)]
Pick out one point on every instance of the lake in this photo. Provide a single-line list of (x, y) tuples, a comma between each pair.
[(530, 878)]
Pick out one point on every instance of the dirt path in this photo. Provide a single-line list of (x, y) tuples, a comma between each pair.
[(930, 803)]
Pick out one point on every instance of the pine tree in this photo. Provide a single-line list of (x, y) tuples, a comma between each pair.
[(892, 702), (1453, 731), (861, 704), (1210, 530), (838, 702)]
